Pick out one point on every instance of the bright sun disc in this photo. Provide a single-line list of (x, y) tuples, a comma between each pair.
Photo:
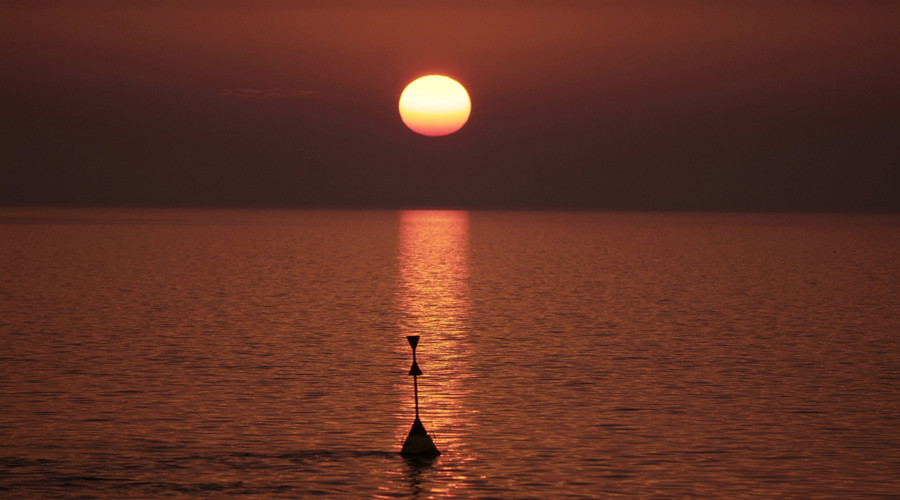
[(435, 105)]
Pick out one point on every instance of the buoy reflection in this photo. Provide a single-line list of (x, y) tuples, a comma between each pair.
[(433, 298)]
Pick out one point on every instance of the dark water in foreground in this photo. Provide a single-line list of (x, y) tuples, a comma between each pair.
[(262, 353)]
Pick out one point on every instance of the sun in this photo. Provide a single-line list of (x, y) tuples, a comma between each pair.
[(435, 105)]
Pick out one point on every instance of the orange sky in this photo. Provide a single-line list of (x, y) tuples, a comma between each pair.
[(569, 99)]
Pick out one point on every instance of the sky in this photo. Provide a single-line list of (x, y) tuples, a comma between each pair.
[(768, 105)]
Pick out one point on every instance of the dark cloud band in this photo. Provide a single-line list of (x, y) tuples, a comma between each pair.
[(271, 93)]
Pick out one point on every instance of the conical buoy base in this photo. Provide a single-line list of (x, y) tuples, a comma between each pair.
[(419, 443)]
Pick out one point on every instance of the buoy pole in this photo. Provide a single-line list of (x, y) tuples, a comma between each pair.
[(416, 390), (418, 442)]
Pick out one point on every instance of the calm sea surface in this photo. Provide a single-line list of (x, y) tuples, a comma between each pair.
[(151, 353)]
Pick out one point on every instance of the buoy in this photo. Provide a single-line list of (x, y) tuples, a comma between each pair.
[(418, 442)]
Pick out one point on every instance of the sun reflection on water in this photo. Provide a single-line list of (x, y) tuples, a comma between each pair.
[(433, 301)]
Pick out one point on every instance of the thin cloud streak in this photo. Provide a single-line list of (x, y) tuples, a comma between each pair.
[(270, 93)]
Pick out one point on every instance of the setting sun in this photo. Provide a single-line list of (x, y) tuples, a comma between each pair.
[(435, 105)]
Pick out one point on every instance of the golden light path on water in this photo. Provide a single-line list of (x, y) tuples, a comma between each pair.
[(433, 300)]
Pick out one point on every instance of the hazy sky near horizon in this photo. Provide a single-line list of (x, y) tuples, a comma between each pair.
[(769, 105)]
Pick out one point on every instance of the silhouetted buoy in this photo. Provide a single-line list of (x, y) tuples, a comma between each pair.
[(418, 442)]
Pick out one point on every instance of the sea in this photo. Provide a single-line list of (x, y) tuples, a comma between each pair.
[(194, 353)]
